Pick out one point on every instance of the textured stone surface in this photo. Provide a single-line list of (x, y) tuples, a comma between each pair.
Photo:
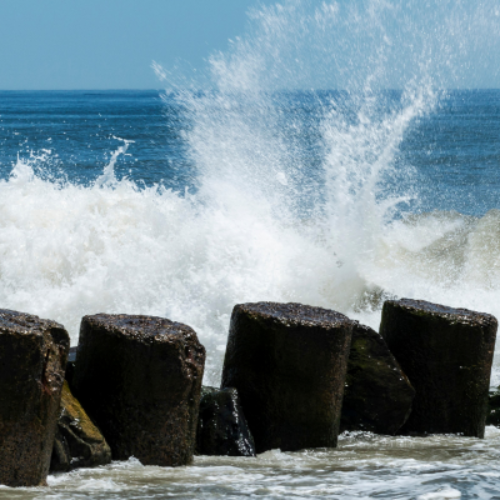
[(222, 427), (33, 355), (378, 395), (288, 363), (78, 443), (139, 379), (447, 355)]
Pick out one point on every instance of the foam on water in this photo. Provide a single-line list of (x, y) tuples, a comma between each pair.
[(363, 466)]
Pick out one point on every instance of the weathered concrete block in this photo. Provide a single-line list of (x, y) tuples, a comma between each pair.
[(33, 356), (139, 379), (78, 442), (222, 427), (288, 363), (447, 355), (378, 395)]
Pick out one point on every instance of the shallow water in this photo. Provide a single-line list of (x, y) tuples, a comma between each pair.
[(363, 466)]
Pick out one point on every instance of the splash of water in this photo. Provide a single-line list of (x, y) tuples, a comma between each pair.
[(108, 177), (266, 222)]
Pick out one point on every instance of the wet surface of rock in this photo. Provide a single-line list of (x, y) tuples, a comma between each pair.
[(288, 363), (222, 427), (33, 355), (139, 379), (78, 443), (378, 396), (493, 417), (70, 366), (447, 355)]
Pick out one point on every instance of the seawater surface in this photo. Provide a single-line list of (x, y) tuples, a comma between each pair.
[(363, 466), (266, 185)]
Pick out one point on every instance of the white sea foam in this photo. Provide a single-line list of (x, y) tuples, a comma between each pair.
[(68, 250), (441, 494), (363, 466)]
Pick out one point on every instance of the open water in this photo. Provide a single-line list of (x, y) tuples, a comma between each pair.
[(260, 186)]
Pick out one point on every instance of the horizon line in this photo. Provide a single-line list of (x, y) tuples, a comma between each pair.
[(211, 89)]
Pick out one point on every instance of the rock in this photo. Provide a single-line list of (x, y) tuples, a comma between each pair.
[(447, 355), (493, 416), (139, 379), (33, 354), (70, 366), (60, 460), (222, 428), (78, 442), (378, 395), (288, 363)]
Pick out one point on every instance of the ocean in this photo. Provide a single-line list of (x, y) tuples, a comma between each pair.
[(184, 202)]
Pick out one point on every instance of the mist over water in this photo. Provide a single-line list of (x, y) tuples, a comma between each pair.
[(301, 188)]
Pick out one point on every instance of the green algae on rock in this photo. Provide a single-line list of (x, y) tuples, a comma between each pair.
[(378, 396), (447, 355), (33, 355), (288, 363), (78, 442), (139, 379)]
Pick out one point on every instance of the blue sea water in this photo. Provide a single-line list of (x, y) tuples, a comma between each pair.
[(79, 128), (454, 151)]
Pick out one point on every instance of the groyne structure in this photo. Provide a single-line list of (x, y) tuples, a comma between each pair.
[(293, 377)]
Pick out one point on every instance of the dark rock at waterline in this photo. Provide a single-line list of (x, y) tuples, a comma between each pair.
[(222, 427), (78, 442), (447, 355), (139, 379), (70, 366), (288, 363), (33, 355), (493, 417), (378, 396)]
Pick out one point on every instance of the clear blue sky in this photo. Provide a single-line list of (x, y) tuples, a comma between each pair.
[(98, 44), (111, 44)]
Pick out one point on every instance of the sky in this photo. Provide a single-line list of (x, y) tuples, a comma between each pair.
[(110, 44)]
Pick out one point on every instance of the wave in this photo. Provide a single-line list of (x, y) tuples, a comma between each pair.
[(68, 250)]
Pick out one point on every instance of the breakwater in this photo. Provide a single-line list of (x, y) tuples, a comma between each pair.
[(140, 380)]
